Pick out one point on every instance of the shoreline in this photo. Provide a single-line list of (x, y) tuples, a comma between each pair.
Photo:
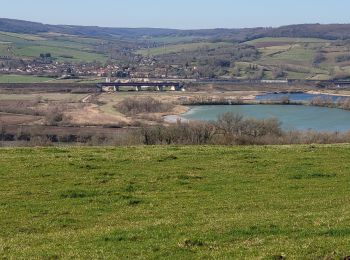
[(250, 100), (313, 92), (175, 116)]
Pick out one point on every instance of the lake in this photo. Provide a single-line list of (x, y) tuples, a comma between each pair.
[(291, 116), (296, 97)]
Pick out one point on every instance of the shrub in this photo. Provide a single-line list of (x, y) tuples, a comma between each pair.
[(322, 101), (55, 116), (343, 103), (319, 58), (229, 129), (237, 130), (342, 58), (179, 133), (134, 106)]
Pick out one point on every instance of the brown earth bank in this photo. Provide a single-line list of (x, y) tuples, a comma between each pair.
[(345, 93)]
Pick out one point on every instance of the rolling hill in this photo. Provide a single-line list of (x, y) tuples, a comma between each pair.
[(307, 51), (323, 31)]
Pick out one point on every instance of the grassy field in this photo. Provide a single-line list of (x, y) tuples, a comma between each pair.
[(4, 49), (175, 202), (61, 53), (295, 55), (62, 48), (172, 39), (275, 53), (298, 55), (23, 79), (36, 79), (68, 97), (174, 48), (29, 37), (287, 39)]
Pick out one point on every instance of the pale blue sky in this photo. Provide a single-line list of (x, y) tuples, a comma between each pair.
[(183, 14)]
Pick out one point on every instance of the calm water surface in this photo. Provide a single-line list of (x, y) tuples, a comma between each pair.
[(295, 96), (291, 116)]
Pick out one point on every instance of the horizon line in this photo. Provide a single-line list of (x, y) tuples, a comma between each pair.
[(170, 28)]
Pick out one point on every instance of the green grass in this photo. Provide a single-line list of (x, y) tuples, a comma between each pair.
[(68, 97), (3, 49), (64, 48), (287, 39), (29, 37), (61, 53), (295, 55), (172, 39), (6, 37), (167, 49), (276, 53), (175, 202), (22, 79), (67, 44), (298, 56), (69, 37)]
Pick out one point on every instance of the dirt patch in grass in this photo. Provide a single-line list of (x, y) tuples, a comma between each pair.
[(90, 114), (14, 119)]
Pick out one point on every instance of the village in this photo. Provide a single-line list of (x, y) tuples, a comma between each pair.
[(139, 67)]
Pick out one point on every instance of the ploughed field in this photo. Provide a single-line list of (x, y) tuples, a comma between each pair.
[(175, 202)]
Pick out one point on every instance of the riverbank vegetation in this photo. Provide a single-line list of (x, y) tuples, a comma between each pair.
[(234, 129), (321, 101), (229, 129), (134, 106), (328, 101)]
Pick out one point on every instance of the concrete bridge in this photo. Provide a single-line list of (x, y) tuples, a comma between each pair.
[(140, 86)]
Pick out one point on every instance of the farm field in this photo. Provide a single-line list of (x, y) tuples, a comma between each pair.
[(287, 40), (174, 48), (266, 202), (172, 39), (62, 53), (64, 48), (23, 79), (13, 78), (44, 97), (294, 56)]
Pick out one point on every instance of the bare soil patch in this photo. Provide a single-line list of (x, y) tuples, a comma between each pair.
[(15, 119)]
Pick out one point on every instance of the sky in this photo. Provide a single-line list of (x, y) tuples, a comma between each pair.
[(180, 14)]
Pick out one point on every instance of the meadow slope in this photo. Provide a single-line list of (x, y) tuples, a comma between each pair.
[(175, 202)]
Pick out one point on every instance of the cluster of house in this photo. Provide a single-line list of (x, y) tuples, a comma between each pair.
[(36, 67), (140, 67), (151, 67)]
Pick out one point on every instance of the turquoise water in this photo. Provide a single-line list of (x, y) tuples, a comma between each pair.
[(291, 116), (296, 96)]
